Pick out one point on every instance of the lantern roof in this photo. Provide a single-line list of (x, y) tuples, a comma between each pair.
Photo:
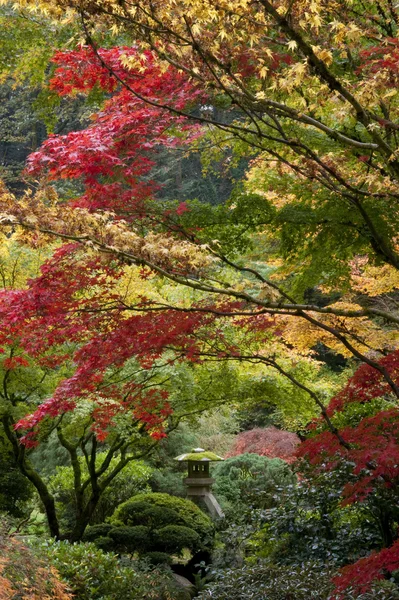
[(199, 455)]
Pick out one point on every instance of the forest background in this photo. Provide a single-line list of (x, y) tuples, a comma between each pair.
[(206, 224)]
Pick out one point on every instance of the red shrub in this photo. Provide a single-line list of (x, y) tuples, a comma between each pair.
[(268, 441)]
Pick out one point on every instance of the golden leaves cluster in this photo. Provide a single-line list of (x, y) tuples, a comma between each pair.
[(41, 214), (362, 333)]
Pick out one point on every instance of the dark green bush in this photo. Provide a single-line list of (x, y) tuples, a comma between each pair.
[(154, 522), (131, 539), (148, 514), (311, 523), (96, 531), (268, 581), (105, 543), (159, 508), (158, 558), (173, 538)]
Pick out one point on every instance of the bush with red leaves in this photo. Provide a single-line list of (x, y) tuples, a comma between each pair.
[(268, 441)]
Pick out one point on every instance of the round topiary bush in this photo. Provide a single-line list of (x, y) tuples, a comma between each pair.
[(131, 539), (96, 531), (162, 510), (155, 523), (173, 538), (150, 515)]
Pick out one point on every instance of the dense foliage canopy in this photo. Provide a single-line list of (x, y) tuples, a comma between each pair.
[(127, 307)]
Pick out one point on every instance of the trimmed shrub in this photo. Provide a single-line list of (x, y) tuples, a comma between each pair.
[(178, 511), (167, 524), (148, 514), (131, 539), (158, 558), (96, 531), (106, 544), (173, 538)]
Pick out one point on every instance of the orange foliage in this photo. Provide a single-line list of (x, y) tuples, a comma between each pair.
[(269, 441), (24, 576)]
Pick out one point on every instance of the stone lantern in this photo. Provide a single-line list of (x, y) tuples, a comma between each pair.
[(199, 481)]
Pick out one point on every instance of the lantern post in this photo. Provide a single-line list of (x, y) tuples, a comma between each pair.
[(199, 482)]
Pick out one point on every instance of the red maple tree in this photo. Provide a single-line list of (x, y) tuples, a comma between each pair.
[(267, 441), (371, 447), (113, 157)]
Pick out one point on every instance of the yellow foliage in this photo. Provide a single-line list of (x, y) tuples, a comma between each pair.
[(364, 335), (41, 214), (374, 281)]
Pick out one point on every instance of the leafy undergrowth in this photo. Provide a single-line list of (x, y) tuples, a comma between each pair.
[(26, 576)]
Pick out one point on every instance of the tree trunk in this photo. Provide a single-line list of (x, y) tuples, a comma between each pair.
[(33, 476)]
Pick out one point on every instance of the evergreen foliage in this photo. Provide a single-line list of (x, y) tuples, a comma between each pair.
[(150, 523), (250, 479)]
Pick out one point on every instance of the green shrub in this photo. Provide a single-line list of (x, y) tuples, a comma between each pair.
[(95, 575), (131, 539), (173, 538), (168, 482), (158, 558), (176, 511), (250, 479), (94, 532), (148, 514), (105, 543), (150, 523), (272, 582), (268, 581)]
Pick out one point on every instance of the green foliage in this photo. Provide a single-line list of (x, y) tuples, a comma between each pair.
[(95, 575), (15, 489), (310, 523), (157, 558), (131, 539), (250, 479), (96, 531), (174, 538), (154, 522), (354, 412), (184, 512), (183, 177), (228, 226), (268, 581), (274, 582), (166, 481), (131, 480)]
